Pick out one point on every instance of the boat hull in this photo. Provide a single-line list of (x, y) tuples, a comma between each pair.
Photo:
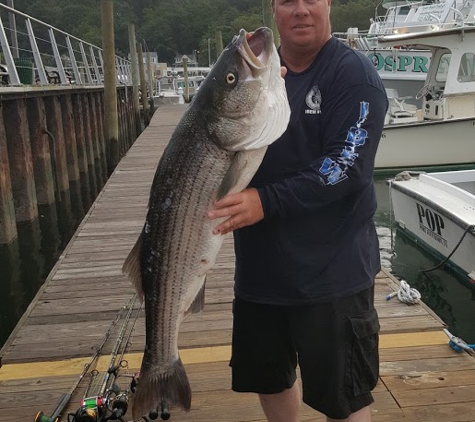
[(427, 144), (441, 219)]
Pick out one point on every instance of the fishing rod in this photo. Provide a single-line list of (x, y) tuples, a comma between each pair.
[(64, 400), (95, 408), (119, 404), (118, 343)]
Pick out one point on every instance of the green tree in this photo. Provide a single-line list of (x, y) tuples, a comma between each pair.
[(356, 13), (176, 26), (248, 22)]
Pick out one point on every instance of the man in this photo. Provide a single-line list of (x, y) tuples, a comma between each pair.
[(306, 249)]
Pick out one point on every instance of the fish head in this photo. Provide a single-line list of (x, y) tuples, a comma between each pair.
[(243, 101)]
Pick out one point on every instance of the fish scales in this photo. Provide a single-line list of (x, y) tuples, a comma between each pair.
[(216, 149), (178, 238)]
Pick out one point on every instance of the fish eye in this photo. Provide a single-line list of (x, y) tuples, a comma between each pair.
[(231, 78)]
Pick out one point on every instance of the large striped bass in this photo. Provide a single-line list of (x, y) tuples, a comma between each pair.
[(240, 108)]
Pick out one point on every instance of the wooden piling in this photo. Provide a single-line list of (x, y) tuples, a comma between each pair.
[(69, 137), (126, 120), (20, 160), (83, 166), (100, 132), (71, 156), (186, 91), (54, 121), (120, 110), (96, 148), (89, 148), (135, 80), (135, 125), (151, 82), (111, 123), (143, 85), (219, 42), (8, 230), (40, 150)]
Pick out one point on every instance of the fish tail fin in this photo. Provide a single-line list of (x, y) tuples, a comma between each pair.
[(132, 267), (154, 390)]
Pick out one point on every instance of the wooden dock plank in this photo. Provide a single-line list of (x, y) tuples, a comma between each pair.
[(421, 379)]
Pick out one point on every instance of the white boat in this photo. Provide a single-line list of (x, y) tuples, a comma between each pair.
[(437, 210), (405, 68), (194, 83), (166, 92), (442, 131)]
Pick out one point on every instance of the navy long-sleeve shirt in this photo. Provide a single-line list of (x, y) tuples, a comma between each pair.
[(317, 241)]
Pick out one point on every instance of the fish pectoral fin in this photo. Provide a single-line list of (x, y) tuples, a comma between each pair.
[(199, 303), (132, 267), (243, 167)]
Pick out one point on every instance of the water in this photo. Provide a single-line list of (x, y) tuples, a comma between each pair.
[(26, 263)]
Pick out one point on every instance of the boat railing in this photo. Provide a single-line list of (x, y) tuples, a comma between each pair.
[(165, 84), (425, 13), (35, 53)]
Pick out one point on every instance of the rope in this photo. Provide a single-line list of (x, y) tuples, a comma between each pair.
[(469, 229), (406, 294), (407, 175)]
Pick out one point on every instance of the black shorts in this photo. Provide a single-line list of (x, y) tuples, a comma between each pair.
[(335, 345)]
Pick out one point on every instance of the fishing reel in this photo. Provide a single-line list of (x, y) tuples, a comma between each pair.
[(118, 407), (90, 410)]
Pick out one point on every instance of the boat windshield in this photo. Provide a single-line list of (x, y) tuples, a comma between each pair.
[(443, 68), (466, 71)]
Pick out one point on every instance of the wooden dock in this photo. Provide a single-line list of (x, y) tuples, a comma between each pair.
[(421, 377)]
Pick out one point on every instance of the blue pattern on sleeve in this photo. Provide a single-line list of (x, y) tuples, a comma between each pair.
[(334, 171)]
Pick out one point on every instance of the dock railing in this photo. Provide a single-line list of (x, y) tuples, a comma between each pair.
[(35, 53)]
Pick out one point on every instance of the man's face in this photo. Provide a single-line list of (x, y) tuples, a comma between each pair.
[(303, 23)]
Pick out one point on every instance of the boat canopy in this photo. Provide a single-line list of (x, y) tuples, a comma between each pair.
[(453, 50)]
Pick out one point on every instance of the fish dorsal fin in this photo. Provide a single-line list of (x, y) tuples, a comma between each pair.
[(243, 166), (132, 267), (199, 303)]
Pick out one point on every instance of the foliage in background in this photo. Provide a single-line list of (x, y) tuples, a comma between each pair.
[(170, 27)]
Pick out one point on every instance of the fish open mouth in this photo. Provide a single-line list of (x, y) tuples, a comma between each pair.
[(256, 48)]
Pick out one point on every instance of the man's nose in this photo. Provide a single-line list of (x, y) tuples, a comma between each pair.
[(301, 8)]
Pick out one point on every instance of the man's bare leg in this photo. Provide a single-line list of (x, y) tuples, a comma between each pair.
[(282, 407), (362, 415)]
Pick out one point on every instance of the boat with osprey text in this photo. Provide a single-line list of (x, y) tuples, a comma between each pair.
[(404, 68), (442, 131)]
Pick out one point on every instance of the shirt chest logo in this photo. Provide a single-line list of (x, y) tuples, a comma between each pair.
[(313, 99)]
